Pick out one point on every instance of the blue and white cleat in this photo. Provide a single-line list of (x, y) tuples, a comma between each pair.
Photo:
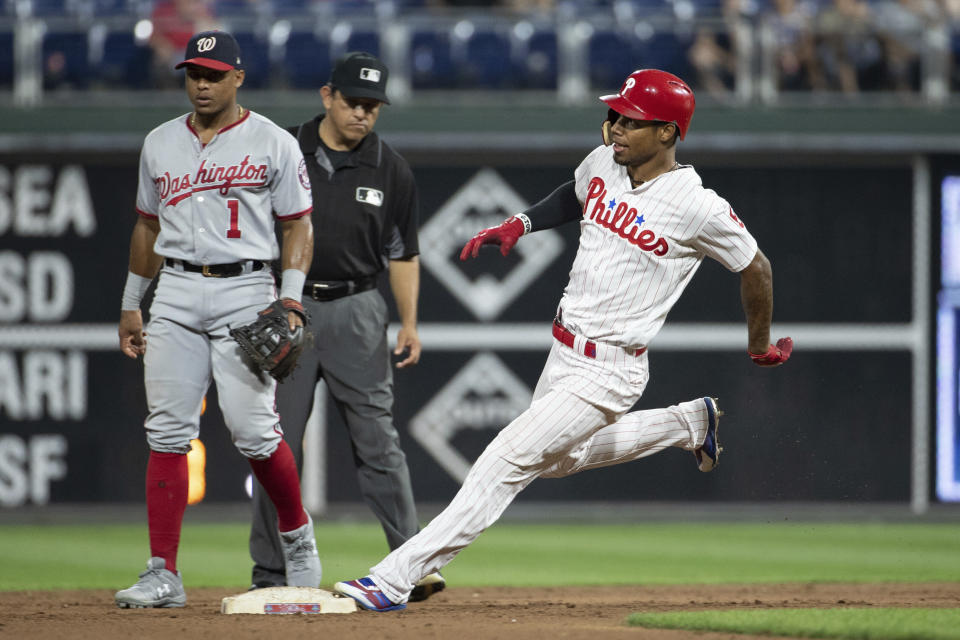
[(708, 454), (367, 594)]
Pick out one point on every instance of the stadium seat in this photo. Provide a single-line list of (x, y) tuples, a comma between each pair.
[(6, 59), (487, 61), (430, 64), (537, 66), (125, 63), (235, 8), (50, 8), (306, 60), (113, 8), (368, 41), (667, 51), (610, 59), (708, 8), (65, 60), (287, 8), (256, 59), (614, 55)]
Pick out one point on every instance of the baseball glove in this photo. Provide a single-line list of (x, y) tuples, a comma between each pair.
[(268, 340)]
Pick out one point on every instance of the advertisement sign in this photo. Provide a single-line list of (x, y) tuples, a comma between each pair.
[(72, 406)]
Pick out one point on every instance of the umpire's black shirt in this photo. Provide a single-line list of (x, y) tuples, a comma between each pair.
[(365, 207)]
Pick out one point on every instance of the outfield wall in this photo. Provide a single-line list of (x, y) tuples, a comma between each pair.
[(847, 419)]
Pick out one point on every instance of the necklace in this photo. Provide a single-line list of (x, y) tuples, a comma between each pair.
[(193, 117)]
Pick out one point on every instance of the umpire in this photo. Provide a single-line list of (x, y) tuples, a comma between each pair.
[(365, 217)]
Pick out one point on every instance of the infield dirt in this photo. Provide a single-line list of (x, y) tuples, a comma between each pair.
[(456, 614)]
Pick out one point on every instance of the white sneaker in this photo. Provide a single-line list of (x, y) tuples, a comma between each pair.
[(300, 556), (157, 587)]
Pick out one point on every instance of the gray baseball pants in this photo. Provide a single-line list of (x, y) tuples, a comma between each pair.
[(350, 353)]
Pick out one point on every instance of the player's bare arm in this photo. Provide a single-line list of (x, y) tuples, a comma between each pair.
[(145, 264), (296, 252), (756, 295), (405, 284)]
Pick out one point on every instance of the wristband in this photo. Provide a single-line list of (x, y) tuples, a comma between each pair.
[(527, 225), (291, 284), (133, 291)]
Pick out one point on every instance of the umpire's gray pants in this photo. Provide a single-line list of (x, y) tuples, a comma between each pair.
[(351, 354)]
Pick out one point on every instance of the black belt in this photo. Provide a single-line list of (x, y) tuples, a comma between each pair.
[(326, 290), (214, 270)]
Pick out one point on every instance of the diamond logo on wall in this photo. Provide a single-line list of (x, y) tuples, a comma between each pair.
[(485, 201), (484, 395)]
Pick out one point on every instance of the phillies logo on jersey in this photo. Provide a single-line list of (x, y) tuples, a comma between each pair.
[(621, 219), (212, 176)]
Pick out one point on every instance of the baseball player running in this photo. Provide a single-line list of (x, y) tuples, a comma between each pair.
[(646, 223), (212, 184)]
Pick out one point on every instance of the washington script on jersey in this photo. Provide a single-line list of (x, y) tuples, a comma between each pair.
[(619, 220), (214, 177)]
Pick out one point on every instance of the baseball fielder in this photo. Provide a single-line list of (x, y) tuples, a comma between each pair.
[(646, 223), (212, 185)]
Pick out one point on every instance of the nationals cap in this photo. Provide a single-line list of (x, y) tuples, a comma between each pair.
[(360, 75), (213, 50)]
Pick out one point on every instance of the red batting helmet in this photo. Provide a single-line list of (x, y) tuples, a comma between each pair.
[(651, 94)]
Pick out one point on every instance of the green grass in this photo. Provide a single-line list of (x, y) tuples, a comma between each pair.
[(108, 556), (859, 624)]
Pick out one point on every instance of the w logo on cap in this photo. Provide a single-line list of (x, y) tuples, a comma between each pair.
[(213, 50)]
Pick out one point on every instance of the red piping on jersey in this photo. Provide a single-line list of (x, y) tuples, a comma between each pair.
[(172, 202), (298, 214), (152, 216)]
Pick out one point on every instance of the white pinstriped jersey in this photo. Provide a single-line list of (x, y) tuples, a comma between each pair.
[(639, 247), (217, 202)]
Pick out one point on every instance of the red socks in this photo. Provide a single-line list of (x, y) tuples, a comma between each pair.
[(278, 476), (167, 484), (168, 481)]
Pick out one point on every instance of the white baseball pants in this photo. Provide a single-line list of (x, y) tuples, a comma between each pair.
[(577, 421)]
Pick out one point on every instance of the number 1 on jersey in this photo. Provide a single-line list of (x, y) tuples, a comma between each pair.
[(234, 230)]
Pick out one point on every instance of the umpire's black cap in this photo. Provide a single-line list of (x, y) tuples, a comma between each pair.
[(360, 75), (213, 50)]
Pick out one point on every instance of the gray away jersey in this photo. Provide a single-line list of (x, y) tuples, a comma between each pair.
[(217, 203)]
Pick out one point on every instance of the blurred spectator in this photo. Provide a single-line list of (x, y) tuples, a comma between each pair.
[(951, 15), (850, 50), (714, 51), (174, 23), (796, 61), (901, 24)]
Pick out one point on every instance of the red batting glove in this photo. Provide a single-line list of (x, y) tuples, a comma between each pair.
[(775, 355), (506, 235)]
